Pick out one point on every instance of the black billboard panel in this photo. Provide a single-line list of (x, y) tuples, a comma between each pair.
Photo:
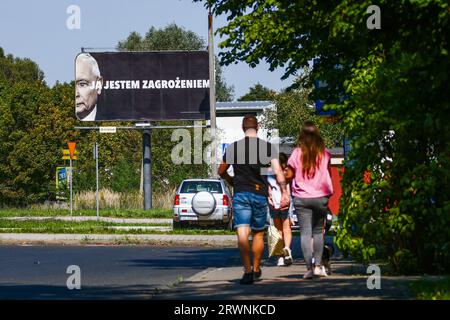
[(135, 86)]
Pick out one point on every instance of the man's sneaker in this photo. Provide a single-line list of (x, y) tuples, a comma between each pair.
[(319, 271), (280, 262), (287, 256), (309, 274), (247, 278), (257, 275)]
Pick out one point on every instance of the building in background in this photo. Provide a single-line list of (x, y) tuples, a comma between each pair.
[(229, 121)]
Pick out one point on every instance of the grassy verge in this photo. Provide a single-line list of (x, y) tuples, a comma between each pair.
[(92, 227), (431, 289), (112, 213)]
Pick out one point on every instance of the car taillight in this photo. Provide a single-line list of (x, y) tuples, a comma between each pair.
[(176, 201), (226, 200)]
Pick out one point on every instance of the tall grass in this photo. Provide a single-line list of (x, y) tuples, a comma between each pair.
[(132, 200)]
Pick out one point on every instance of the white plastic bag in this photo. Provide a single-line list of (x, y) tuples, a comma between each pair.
[(275, 241)]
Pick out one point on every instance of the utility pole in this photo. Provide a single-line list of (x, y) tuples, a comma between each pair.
[(212, 94)]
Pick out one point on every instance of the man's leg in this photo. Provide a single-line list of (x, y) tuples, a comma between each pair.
[(258, 249), (242, 217), (258, 225), (244, 247)]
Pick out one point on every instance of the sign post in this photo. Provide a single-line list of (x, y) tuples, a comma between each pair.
[(72, 146), (96, 175)]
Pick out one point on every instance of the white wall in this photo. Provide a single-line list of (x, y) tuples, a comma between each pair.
[(230, 130)]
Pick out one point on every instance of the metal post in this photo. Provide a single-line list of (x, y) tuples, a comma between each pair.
[(70, 183), (96, 175), (212, 94), (147, 159)]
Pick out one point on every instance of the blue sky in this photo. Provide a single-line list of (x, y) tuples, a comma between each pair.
[(37, 30)]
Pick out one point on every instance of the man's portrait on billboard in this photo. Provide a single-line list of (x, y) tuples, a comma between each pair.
[(88, 86)]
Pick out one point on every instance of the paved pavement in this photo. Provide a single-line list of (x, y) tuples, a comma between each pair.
[(219, 280), (113, 272), (348, 281)]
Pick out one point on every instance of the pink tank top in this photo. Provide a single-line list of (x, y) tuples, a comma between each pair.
[(318, 186)]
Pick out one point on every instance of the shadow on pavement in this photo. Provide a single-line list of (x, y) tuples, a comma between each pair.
[(289, 287), (195, 259), (48, 292)]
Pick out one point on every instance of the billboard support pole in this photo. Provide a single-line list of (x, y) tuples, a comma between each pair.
[(212, 94), (147, 159)]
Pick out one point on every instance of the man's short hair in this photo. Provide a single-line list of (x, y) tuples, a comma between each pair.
[(93, 63), (249, 122)]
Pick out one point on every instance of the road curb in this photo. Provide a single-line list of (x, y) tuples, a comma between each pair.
[(118, 239)]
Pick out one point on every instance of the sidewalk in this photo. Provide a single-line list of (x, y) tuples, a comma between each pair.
[(348, 281), (94, 218), (108, 239)]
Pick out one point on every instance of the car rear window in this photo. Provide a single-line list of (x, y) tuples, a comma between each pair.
[(197, 186)]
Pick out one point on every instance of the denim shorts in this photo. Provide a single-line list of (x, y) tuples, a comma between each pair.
[(250, 210), (279, 214)]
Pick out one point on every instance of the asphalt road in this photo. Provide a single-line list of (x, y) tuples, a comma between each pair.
[(113, 272)]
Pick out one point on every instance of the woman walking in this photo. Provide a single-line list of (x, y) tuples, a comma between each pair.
[(310, 172)]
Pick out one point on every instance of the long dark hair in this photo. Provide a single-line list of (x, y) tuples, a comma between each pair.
[(313, 148)]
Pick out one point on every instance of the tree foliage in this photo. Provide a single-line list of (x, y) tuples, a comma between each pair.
[(35, 121), (258, 93), (293, 107), (396, 111), (15, 70)]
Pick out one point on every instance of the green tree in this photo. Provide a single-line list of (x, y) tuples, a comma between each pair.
[(292, 109), (396, 111), (16, 69), (258, 93), (35, 121)]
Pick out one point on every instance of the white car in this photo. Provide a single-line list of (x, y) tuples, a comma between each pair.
[(203, 202)]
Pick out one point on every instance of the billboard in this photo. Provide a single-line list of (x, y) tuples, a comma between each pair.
[(135, 86)]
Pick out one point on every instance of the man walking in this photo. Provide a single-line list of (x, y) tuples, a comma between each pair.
[(251, 157)]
